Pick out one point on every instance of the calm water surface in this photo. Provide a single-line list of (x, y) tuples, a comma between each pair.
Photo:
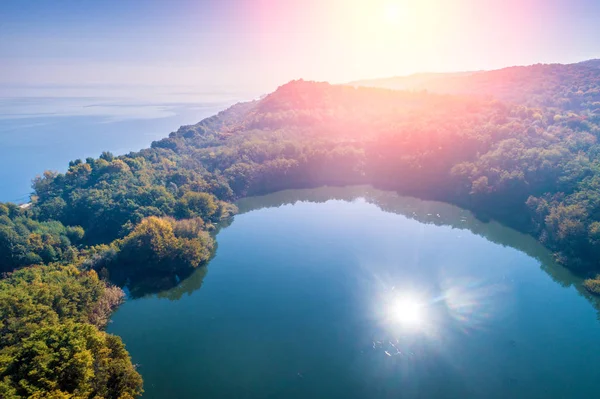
[(358, 293), (43, 128)]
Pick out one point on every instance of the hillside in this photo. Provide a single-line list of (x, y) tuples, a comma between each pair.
[(532, 167), (529, 162), (573, 86), (595, 63), (417, 81)]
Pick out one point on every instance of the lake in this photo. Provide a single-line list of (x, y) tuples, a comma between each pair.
[(359, 293)]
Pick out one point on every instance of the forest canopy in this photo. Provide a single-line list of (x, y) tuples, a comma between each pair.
[(51, 342)]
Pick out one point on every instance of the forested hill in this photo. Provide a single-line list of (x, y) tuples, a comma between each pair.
[(525, 153), (531, 162), (483, 153), (594, 63), (572, 86)]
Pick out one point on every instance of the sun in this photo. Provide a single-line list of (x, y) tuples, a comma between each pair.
[(392, 12)]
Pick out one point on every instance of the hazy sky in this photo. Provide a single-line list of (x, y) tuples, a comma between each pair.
[(260, 44)]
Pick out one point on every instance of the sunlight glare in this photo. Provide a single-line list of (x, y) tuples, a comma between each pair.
[(407, 311), (392, 12)]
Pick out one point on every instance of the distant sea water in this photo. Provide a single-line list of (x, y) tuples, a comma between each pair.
[(43, 128)]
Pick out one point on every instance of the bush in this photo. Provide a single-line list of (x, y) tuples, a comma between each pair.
[(593, 285)]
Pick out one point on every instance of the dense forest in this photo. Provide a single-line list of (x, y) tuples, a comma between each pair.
[(519, 145)]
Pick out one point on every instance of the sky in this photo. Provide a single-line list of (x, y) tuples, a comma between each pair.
[(261, 44)]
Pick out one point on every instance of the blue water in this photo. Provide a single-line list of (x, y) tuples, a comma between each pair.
[(358, 293), (43, 128)]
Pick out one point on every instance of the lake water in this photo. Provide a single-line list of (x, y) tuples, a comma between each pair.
[(43, 128), (359, 293)]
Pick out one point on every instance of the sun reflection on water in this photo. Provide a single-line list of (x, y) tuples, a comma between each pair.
[(409, 321), (407, 310)]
